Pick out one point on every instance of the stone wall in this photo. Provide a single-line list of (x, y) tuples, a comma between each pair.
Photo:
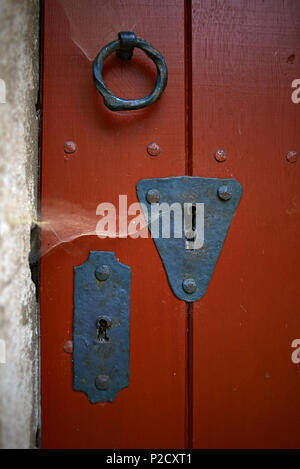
[(19, 70)]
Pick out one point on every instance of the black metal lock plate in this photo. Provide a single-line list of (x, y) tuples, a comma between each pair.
[(101, 326), (189, 270)]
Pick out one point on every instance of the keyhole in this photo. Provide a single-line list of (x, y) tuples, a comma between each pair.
[(194, 226), (102, 327), (190, 233), (194, 210)]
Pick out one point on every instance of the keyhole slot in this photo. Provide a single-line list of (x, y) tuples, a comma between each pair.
[(194, 212), (190, 223), (102, 327), (194, 226)]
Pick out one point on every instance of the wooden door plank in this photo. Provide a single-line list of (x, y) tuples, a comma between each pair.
[(111, 158), (245, 387)]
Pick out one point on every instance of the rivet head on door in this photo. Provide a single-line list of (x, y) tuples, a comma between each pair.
[(102, 273), (68, 346), (221, 155), (153, 196), (224, 193), (153, 149), (102, 382), (292, 156), (70, 147), (189, 285)]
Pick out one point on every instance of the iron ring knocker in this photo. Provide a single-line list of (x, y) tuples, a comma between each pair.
[(124, 50)]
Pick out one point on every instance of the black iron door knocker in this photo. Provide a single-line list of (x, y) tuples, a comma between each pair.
[(124, 50)]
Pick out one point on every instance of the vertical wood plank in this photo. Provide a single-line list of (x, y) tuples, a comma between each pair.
[(111, 158), (246, 388)]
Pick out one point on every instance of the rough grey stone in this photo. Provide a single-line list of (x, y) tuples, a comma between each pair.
[(19, 47)]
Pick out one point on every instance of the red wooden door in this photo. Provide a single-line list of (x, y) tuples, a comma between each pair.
[(111, 157), (245, 385), (219, 372)]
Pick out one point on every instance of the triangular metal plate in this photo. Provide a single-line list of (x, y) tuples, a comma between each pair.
[(181, 263)]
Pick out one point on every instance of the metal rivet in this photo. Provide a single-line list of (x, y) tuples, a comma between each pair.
[(102, 272), (220, 155), (153, 196), (70, 147), (153, 149), (68, 346), (189, 285), (102, 382), (292, 156), (224, 193)]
